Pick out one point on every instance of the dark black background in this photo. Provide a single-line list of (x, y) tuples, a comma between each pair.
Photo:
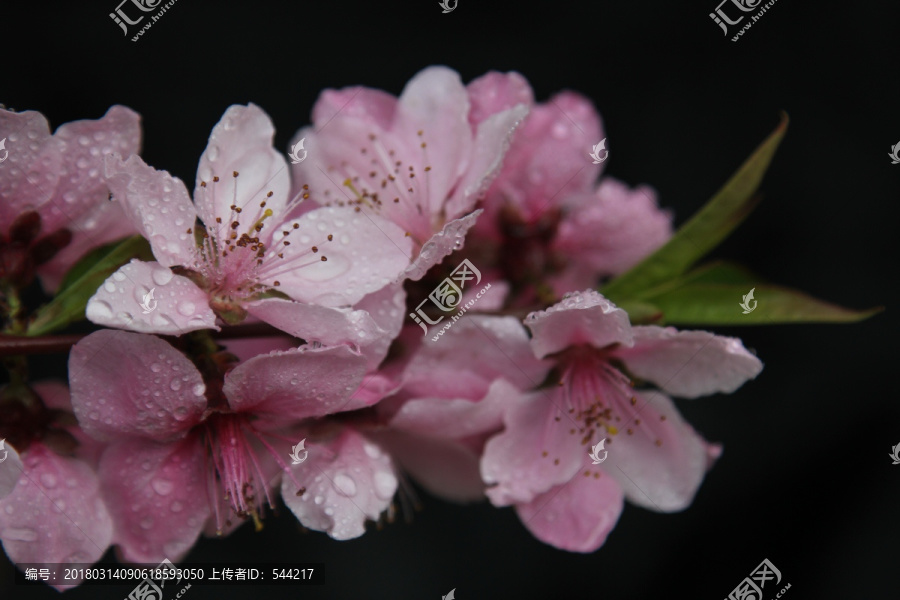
[(805, 479)]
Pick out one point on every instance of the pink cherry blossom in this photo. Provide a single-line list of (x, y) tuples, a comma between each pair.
[(414, 160), (452, 398), (51, 508), (244, 248), (180, 440), (545, 220), (53, 194), (540, 462)]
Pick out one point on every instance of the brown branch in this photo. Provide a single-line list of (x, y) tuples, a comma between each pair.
[(12, 345)]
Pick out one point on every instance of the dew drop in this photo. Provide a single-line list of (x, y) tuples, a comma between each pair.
[(345, 485), (163, 487)]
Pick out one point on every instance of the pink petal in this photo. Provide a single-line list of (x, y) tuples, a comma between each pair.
[(242, 142), (247, 348), (549, 157), (104, 223), (177, 307), (158, 205), (56, 515), (29, 174), (576, 516), (444, 468), (689, 364), (313, 323), (613, 229), (374, 107), (662, 463), (495, 92), (365, 254), (83, 145), (492, 141), (534, 453), (10, 470), (457, 418), (435, 102), (353, 477), (387, 307), (375, 386), (581, 318), (300, 383), (474, 352), (442, 244), (158, 497), (129, 384)]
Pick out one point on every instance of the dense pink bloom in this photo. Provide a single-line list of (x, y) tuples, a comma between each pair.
[(545, 219), (51, 508), (244, 246), (180, 442), (53, 194), (540, 462), (414, 160), (452, 398)]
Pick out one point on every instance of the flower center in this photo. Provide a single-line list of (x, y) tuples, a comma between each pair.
[(389, 189), (597, 395), (236, 476), (235, 258)]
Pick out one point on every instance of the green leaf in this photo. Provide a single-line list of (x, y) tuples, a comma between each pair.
[(82, 281), (642, 313), (706, 303), (719, 272), (705, 230)]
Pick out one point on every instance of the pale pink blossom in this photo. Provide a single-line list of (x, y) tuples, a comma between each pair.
[(545, 219), (181, 441), (227, 253), (54, 198), (540, 462), (451, 399), (52, 511), (414, 160)]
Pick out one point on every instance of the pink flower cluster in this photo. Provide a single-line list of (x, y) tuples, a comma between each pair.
[(183, 431)]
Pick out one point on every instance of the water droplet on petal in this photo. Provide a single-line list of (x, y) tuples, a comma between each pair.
[(163, 487), (48, 480), (385, 485), (161, 275), (344, 485)]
